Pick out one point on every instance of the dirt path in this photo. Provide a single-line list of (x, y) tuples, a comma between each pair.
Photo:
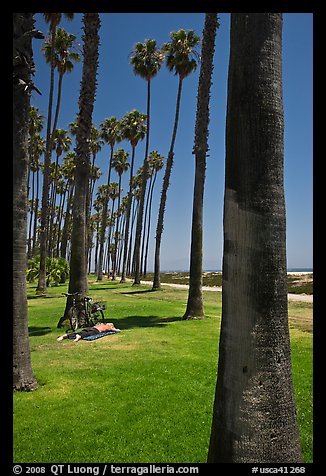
[(291, 297)]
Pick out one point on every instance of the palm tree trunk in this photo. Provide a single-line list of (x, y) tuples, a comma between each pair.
[(139, 224), (133, 218), (104, 223), (254, 416), (116, 235), (29, 246), (195, 307), (41, 286), (53, 199), (35, 214), (145, 225), (166, 182), (78, 261), (128, 213), (23, 24), (57, 109), (149, 224), (65, 231)]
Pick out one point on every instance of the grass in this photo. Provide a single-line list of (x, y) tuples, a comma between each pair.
[(143, 395)]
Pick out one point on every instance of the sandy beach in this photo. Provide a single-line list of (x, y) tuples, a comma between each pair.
[(291, 296)]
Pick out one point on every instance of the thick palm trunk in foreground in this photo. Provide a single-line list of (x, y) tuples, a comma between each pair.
[(254, 417), (23, 32), (78, 261)]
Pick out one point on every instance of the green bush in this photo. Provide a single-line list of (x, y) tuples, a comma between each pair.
[(57, 270)]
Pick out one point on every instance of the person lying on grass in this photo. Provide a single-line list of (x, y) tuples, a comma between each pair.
[(89, 331)]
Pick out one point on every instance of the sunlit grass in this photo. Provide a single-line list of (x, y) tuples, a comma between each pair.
[(143, 395)]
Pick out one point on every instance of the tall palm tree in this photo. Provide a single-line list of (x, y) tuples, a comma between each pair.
[(64, 58), (195, 307), (134, 130), (61, 143), (254, 417), (181, 58), (53, 19), (146, 60), (68, 171), (120, 164), (35, 149), (96, 144), (113, 194), (156, 163), (23, 66), (111, 133), (78, 261)]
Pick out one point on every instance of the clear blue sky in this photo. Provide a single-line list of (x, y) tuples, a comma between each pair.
[(120, 91)]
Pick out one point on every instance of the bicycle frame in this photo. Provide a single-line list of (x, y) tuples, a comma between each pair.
[(85, 312)]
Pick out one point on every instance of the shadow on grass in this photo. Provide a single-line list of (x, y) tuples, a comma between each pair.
[(39, 331), (142, 321), (141, 291), (41, 296)]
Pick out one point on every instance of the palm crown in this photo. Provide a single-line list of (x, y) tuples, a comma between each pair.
[(181, 53), (62, 56), (133, 127), (146, 59)]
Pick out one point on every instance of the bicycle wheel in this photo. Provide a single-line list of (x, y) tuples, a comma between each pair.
[(73, 318), (97, 316)]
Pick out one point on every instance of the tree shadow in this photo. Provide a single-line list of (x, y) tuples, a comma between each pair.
[(142, 291), (40, 296), (38, 331), (142, 321)]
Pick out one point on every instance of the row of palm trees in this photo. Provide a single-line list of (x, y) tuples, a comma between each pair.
[(254, 417), (181, 58), (132, 128)]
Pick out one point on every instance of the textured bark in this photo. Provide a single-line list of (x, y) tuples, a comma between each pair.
[(23, 24), (254, 417), (79, 251), (195, 306)]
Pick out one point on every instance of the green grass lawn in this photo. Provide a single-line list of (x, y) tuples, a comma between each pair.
[(142, 395)]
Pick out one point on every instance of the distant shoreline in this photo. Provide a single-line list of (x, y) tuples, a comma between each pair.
[(289, 271)]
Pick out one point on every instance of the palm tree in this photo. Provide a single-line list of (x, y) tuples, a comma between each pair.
[(35, 121), (146, 60), (195, 307), (110, 133), (68, 171), (134, 130), (78, 261), (23, 66), (156, 163), (35, 150), (181, 53), (113, 194), (96, 144), (120, 164), (61, 143), (254, 417), (53, 19), (64, 60)]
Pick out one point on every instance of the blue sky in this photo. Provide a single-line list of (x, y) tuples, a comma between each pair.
[(120, 91)]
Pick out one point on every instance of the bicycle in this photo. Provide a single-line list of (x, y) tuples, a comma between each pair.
[(85, 312)]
